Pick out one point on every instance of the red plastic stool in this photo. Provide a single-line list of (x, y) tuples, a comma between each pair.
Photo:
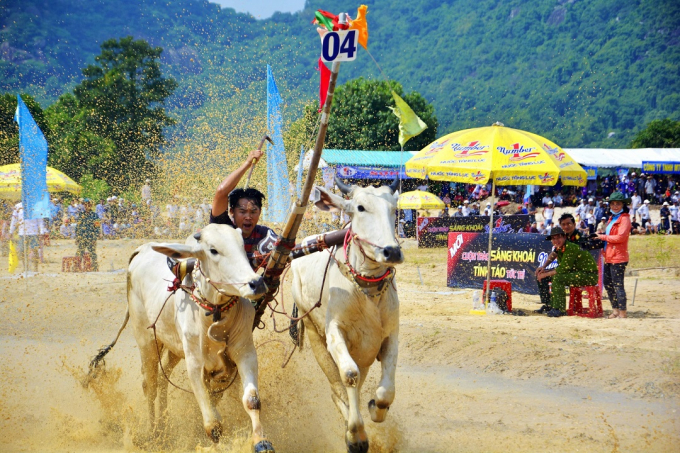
[(86, 263), (70, 264), (594, 296), (502, 284)]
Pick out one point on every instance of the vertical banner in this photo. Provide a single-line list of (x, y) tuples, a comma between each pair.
[(328, 178), (278, 186), (33, 151)]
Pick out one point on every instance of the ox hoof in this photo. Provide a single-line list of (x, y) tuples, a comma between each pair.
[(215, 433), (263, 446), (378, 414), (357, 447)]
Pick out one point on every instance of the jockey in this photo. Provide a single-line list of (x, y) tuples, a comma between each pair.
[(244, 209)]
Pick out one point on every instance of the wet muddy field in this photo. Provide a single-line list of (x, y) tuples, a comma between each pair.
[(464, 383)]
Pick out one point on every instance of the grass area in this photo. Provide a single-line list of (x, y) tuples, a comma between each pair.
[(654, 251)]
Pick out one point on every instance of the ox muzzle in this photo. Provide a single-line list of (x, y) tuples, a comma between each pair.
[(393, 254), (257, 286)]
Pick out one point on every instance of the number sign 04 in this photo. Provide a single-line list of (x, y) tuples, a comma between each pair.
[(339, 45)]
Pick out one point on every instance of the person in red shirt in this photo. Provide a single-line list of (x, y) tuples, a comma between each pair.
[(616, 235)]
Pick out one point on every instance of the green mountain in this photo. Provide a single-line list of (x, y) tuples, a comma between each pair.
[(572, 70)]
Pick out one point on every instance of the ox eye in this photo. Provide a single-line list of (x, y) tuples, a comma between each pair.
[(361, 208), (213, 251)]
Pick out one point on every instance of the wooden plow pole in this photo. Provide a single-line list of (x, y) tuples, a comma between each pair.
[(279, 257)]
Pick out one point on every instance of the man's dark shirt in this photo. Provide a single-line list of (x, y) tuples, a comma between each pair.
[(577, 238), (87, 229), (249, 243)]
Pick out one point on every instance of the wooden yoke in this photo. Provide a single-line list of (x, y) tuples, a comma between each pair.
[(280, 255)]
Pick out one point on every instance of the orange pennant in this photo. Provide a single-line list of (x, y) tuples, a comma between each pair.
[(361, 26)]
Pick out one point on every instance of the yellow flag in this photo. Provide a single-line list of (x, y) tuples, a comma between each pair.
[(13, 258), (410, 124), (361, 26)]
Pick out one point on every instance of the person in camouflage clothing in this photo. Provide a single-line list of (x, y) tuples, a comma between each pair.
[(575, 267), (568, 225), (87, 231)]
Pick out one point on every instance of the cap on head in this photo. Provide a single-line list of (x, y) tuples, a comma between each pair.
[(646, 201), (555, 231), (590, 199), (618, 196), (466, 202), (665, 203)]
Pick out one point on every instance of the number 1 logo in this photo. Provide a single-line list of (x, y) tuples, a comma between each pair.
[(339, 45)]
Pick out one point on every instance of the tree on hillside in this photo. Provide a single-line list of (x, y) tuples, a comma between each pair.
[(74, 148), (658, 134), (361, 117), (9, 130), (122, 100)]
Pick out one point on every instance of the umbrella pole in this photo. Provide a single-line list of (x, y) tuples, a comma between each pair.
[(488, 263)]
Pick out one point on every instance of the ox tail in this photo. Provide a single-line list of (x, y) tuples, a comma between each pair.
[(98, 360)]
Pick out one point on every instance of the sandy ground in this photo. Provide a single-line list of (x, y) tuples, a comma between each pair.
[(464, 383)]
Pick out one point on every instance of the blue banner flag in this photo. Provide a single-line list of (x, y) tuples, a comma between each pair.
[(33, 152), (278, 186), (298, 183)]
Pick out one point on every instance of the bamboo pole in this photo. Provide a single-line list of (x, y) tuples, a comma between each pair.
[(279, 257), (488, 263)]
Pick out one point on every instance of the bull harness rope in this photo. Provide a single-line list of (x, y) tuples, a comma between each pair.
[(180, 271), (371, 286)]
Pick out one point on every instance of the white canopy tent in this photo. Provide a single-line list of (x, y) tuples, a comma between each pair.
[(589, 157), (626, 158)]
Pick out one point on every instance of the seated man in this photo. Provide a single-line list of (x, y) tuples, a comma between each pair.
[(575, 267), (568, 225)]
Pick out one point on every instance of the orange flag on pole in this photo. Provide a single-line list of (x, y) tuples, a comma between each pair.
[(361, 26)]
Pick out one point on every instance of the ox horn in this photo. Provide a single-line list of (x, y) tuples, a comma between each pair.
[(344, 188), (197, 236), (395, 184)]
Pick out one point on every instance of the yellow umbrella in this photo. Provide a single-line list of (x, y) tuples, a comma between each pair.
[(10, 182), (417, 199), (511, 156), (506, 156)]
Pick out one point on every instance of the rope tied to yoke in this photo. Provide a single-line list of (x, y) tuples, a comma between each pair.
[(180, 270)]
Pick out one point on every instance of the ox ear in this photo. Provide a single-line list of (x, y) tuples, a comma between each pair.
[(177, 251), (327, 201)]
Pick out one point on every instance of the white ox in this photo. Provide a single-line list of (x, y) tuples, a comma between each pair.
[(352, 329), (210, 349)]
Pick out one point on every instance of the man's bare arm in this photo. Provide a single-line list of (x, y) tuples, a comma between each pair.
[(221, 199)]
